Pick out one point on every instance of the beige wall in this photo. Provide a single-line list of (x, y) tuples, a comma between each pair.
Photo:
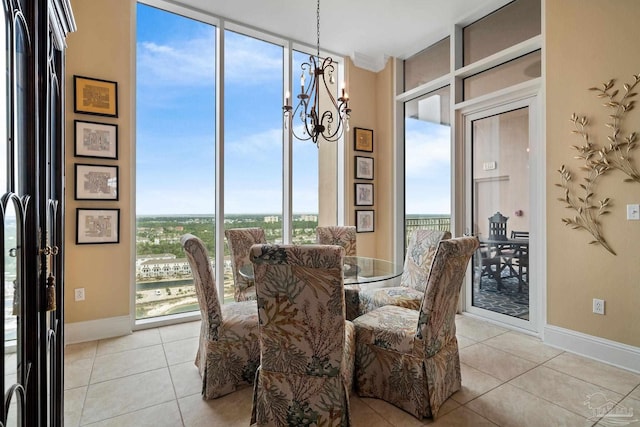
[(589, 42), (101, 48), (372, 102)]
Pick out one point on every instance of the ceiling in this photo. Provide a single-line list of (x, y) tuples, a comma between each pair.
[(368, 31)]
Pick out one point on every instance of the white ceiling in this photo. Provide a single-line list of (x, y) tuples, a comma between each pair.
[(368, 31)]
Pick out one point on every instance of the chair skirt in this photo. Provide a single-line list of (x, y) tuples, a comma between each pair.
[(231, 357), (392, 365)]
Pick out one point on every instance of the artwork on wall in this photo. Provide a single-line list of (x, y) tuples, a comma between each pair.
[(94, 226), (364, 194), (363, 140), (364, 167), (96, 140), (365, 221), (95, 96), (96, 182)]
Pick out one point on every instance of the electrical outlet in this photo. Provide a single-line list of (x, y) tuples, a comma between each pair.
[(79, 294), (598, 306)]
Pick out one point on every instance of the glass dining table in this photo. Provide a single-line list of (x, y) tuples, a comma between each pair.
[(358, 270)]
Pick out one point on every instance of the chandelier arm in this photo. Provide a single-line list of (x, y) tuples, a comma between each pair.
[(315, 123)]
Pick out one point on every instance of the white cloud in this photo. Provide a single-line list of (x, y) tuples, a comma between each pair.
[(185, 62), (249, 61), (427, 151), (191, 62), (256, 144)]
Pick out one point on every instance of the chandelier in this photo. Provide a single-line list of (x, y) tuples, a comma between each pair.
[(314, 123)]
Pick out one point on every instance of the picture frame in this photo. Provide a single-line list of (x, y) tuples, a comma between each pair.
[(363, 194), (365, 221), (364, 167), (97, 140), (363, 140), (96, 182), (96, 226), (95, 96)]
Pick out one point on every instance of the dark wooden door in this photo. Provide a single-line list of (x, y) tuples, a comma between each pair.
[(32, 211)]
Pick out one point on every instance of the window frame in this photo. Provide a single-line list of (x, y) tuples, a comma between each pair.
[(221, 25)]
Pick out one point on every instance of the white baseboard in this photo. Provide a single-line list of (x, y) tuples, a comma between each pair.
[(603, 350), (96, 329)]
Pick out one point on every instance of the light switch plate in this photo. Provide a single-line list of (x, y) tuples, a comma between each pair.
[(633, 212)]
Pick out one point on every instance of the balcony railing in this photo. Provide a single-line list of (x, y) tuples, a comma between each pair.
[(442, 223)]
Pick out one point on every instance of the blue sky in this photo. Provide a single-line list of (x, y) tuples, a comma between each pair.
[(175, 141)]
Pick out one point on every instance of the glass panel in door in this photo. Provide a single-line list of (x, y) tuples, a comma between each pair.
[(501, 213)]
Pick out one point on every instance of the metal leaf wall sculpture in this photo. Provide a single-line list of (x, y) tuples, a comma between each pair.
[(598, 161)]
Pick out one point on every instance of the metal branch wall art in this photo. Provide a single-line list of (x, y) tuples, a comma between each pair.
[(598, 161)]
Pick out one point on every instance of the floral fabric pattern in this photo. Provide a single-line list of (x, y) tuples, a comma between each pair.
[(307, 347), (240, 241), (228, 353), (410, 358), (344, 236), (420, 252)]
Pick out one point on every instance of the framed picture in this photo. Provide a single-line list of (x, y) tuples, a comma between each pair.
[(95, 96), (96, 182), (97, 226), (364, 221), (364, 194), (363, 140), (96, 140), (364, 167)]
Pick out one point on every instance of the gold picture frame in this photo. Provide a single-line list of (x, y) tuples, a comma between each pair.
[(363, 140), (95, 96)]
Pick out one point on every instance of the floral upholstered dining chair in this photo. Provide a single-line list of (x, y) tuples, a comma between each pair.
[(345, 236), (307, 346), (341, 235), (417, 263), (239, 241), (410, 358), (228, 352)]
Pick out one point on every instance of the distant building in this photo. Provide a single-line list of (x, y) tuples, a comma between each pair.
[(312, 218), (167, 266), (272, 218), (162, 267)]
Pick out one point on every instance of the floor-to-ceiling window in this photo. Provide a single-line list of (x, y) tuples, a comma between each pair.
[(253, 147), (177, 142), (175, 155)]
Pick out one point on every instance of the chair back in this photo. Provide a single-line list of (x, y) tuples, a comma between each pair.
[(498, 226), (420, 251), (240, 241), (519, 234), (300, 308), (344, 236), (436, 324), (205, 284)]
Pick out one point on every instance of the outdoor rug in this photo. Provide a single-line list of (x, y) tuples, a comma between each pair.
[(507, 300)]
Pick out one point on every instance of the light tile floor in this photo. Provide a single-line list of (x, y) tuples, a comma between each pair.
[(508, 379)]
